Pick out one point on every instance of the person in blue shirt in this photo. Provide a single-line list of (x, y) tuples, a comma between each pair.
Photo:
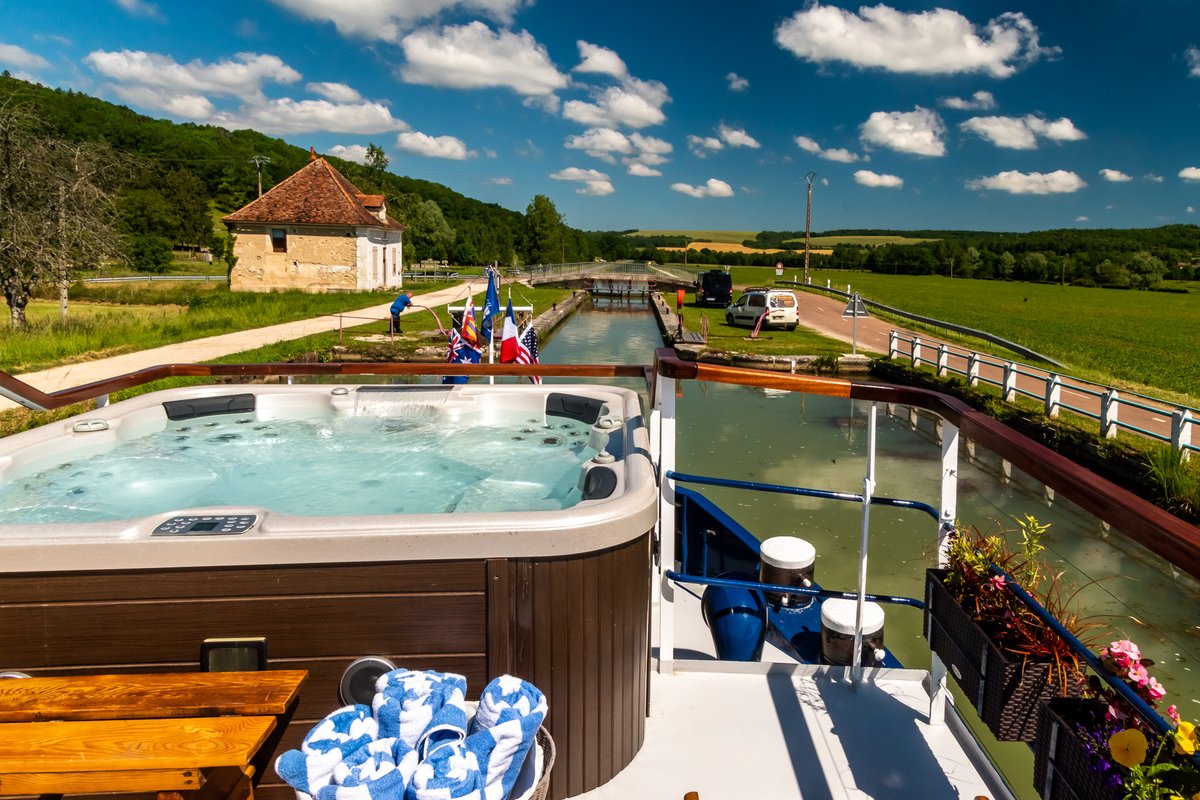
[(402, 302)]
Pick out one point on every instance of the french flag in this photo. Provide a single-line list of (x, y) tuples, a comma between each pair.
[(508, 344)]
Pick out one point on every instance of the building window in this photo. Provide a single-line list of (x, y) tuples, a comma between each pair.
[(279, 240)]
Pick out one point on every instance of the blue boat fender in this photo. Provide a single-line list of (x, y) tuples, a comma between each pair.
[(737, 619)]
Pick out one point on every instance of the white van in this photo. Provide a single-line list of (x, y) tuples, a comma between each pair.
[(779, 305)]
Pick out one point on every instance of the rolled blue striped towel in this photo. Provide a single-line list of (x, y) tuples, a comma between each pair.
[(451, 772), (503, 731), (379, 771), (424, 709), (330, 741)]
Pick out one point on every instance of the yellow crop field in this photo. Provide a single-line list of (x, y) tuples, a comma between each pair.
[(729, 237)]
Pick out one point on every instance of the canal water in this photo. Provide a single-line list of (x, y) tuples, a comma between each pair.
[(821, 442)]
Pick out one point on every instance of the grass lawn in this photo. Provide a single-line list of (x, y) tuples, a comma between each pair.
[(1135, 339), (727, 338)]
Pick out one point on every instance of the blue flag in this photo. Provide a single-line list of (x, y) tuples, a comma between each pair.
[(491, 305), (460, 352)]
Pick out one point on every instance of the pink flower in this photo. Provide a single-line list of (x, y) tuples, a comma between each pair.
[(1155, 689), (997, 582), (1173, 713), (1138, 674), (1115, 712), (1124, 652)]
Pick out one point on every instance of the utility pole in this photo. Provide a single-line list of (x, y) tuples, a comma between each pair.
[(808, 225), (258, 162)]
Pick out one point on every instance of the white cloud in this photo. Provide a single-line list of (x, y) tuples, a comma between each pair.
[(937, 42), (1192, 54), (649, 152), (472, 56), (980, 101), (352, 152), (1009, 132), (1059, 130), (595, 182), (1081, 219), (877, 181), (643, 171), (1152, 178), (1020, 133), (285, 115), (737, 83), (1014, 182), (711, 188), (918, 131), (501, 181), (633, 104), (601, 143), (1115, 175), (1190, 210), (550, 103), (140, 8), (736, 137), (840, 154), (422, 144), (1190, 173), (337, 92), (242, 76), (600, 60), (389, 19), (20, 57), (701, 146)]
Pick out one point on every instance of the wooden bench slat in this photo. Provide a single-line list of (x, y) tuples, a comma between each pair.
[(144, 696), (88, 782), (116, 745)]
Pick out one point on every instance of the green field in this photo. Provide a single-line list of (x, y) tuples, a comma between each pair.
[(1134, 339)]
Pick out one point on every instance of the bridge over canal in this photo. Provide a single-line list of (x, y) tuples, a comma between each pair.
[(613, 278)]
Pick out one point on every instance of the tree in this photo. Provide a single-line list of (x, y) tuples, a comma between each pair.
[(57, 213), (377, 162), (543, 231)]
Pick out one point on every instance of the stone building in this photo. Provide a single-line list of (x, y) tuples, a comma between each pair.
[(316, 232)]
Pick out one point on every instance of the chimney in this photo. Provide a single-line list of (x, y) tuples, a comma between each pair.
[(312, 154)]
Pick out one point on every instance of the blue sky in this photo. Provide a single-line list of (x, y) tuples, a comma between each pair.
[(698, 115)]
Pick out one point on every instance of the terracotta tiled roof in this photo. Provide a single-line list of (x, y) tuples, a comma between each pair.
[(316, 195)]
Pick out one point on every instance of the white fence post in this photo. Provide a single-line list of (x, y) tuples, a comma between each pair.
[(1109, 403), (942, 361), (1053, 394), (1181, 430), (973, 369), (916, 351), (893, 344), (1010, 381)]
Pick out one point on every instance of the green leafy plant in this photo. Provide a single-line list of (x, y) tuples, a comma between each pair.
[(1012, 625)]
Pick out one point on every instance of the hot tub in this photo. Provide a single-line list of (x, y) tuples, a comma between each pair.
[(530, 552)]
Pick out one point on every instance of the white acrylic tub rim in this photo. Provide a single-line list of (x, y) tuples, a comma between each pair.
[(630, 511)]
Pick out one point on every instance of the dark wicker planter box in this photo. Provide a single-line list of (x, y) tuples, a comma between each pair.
[(1062, 767), (1005, 691)]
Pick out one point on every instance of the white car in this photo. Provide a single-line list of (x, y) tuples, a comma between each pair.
[(779, 305)]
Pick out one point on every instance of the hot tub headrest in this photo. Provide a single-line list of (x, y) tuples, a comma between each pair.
[(208, 406), (572, 406)]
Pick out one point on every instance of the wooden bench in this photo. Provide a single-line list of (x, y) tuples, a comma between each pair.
[(197, 735)]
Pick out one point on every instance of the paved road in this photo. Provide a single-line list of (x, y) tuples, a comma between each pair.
[(823, 313), (198, 350)]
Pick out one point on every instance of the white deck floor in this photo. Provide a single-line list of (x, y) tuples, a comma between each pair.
[(773, 731)]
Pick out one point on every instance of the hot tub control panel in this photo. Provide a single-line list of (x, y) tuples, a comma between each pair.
[(206, 525)]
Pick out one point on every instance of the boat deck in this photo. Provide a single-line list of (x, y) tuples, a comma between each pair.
[(776, 729)]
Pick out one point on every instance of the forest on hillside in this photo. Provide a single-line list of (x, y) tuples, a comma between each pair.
[(176, 177)]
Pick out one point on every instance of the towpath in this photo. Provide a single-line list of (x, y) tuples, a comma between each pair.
[(208, 348)]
